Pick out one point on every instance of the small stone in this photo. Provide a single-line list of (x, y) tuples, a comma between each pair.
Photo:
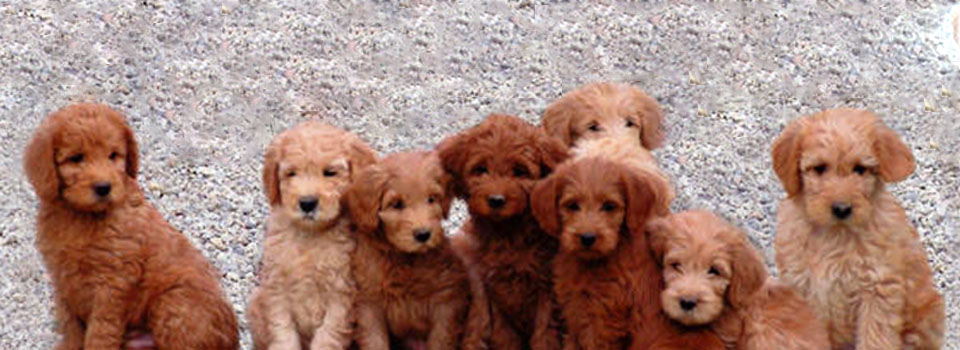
[(218, 243), (928, 106), (701, 112), (945, 93)]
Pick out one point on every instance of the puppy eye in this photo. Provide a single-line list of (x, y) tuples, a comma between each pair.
[(714, 271), (859, 169), (479, 170), (630, 123), (329, 173), (77, 158), (114, 155), (608, 206), (675, 266), (398, 205), (573, 206), (291, 173), (820, 169), (594, 127), (432, 199), (521, 171)]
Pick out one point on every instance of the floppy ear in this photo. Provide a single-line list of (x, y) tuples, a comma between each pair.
[(443, 178), (657, 231), (556, 120), (648, 195), (362, 198), (271, 163), (360, 155), (786, 157), (748, 271), (651, 120), (552, 153), (543, 204), (39, 163), (452, 152), (896, 160), (133, 151)]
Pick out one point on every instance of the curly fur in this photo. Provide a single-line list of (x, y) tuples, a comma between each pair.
[(844, 242), (715, 277), (412, 287), (499, 161), (116, 265), (605, 279), (306, 296)]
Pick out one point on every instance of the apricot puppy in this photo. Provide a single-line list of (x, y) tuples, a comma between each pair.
[(116, 265), (844, 242), (306, 294), (715, 277), (412, 287)]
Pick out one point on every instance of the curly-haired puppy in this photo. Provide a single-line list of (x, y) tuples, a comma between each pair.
[(494, 166), (116, 265), (715, 277), (306, 294), (844, 242), (412, 286), (605, 278)]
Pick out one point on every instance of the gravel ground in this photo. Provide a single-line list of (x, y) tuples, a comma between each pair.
[(206, 85)]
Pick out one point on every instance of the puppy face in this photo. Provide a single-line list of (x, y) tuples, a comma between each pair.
[(591, 204), (403, 199), (838, 160), (496, 163), (82, 154), (707, 265), (606, 110), (307, 168)]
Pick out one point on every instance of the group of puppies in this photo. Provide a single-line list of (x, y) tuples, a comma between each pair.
[(570, 242)]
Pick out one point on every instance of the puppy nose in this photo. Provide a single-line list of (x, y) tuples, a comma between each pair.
[(841, 210), (687, 304), (102, 189), (496, 201), (587, 239), (308, 204), (422, 235)]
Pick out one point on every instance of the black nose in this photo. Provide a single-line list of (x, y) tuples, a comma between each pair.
[(422, 235), (496, 201), (687, 304), (588, 239), (308, 204), (102, 189), (842, 210)]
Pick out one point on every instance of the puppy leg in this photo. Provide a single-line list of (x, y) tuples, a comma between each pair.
[(503, 336), (71, 330), (546, 335), (334, 331), (106, 323), (187, 318), (879, 324), (371, 327), (927, 333), (477, 329), (447, 327)]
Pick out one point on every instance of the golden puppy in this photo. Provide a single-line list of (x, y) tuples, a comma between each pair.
[(715, 277), (844, 242), (412, 286), (116, 265), (305, 299)]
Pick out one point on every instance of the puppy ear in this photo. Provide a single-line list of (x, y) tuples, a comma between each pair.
[(361, 156), (39, 162), (552, 153), (648, 196), (896, 161), (657, 231), (443, 178), (453, 157), (543, 204), (786, 157), (556, 120), (133, 150), (271, 164), (362, 198), (651, 120), (748, 271)]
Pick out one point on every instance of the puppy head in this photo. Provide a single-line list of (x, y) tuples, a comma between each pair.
[(307, 168), (403, 199), (707, 265), (591, 204), (495, 164), (83, 155), (606, 110), (837, 161)]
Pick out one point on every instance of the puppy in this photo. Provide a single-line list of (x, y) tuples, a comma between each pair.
[(412, 286), (494, 165), (116, 265), (605, 279), (844, 242), (715, 277), (306, 294)]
